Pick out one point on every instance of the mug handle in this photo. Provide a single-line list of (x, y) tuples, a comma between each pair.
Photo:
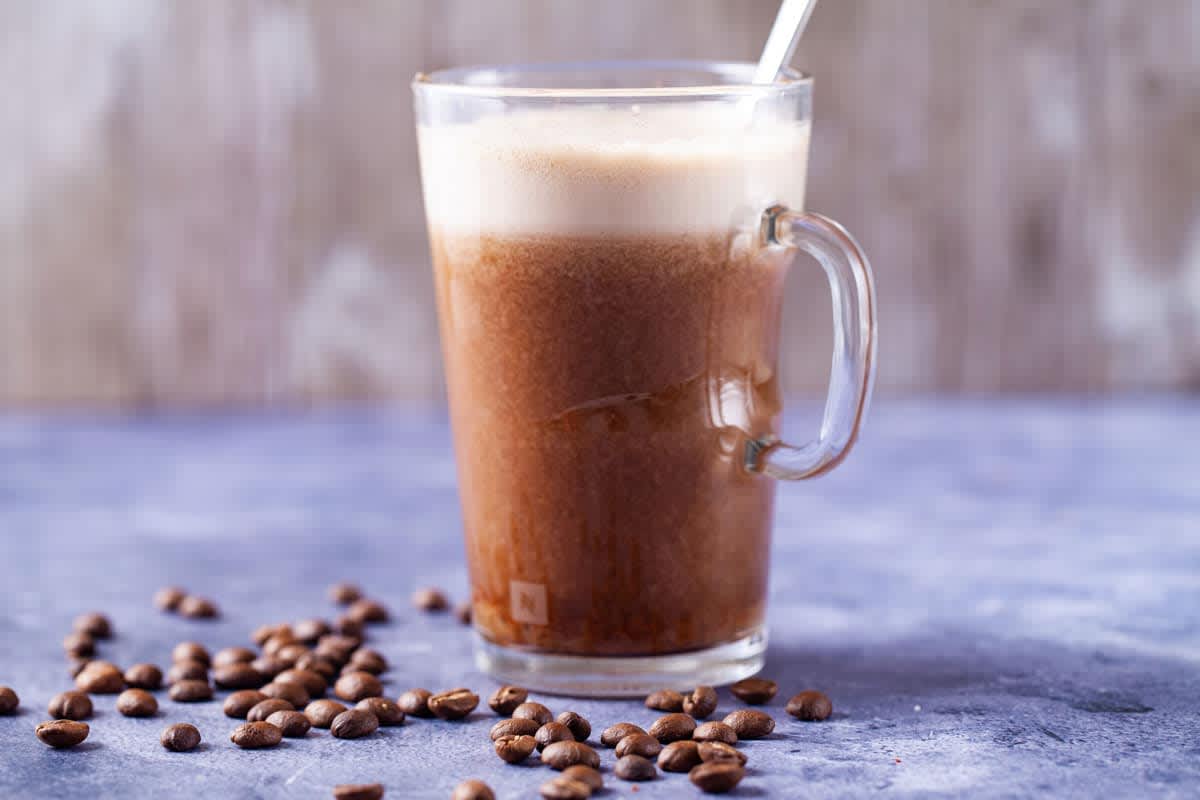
[(852, 377)]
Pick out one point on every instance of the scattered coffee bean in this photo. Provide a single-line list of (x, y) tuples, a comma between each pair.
[(169, 598), (79, 645), (719, 751), (354, 686), (635, 768), (100, 677), (365, 610), (309, 630), (180, 737), (430, 599), (262, 633), (279, 640), (368, 660), (561, 755), (679, 756), (810, 706), (346, 625), (62, 732), (232, 655), (315, 663), (672, 727), (196, 607), (534, 711), (265, 708), (462, 613), (639, 744), (701, 702), (473, 790), (191, 651), (291, 691), (344, 593), (514, 749), (238, 676), (665, 700), (256, 735), (291, 653), (321, 713), (9, 701), (358, 791), (73, 705), (269, 666), (187, 671), (750, 723), (93, 624), (293, 724), (387, 712), (514, 727), (580, 728), (144, 676), (565, 789), (454, 704), (506, 699), (238, 704), (313, 682), (552, 732), (190, 691), (754, 691), (714, 732), (415, 703), (337, 648), (76, 666), (586, 775), (613, 734), (716, 777), (137, 703), (354, 723)]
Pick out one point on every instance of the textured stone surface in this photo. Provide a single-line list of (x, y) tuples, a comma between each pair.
[(1002, 601)]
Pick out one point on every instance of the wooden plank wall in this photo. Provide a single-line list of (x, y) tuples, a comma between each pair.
[(214, 203)]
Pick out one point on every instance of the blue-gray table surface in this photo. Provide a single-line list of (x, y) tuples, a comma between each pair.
[(1001, 597)]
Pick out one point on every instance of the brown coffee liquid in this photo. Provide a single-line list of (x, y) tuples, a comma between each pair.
[(601, 392)]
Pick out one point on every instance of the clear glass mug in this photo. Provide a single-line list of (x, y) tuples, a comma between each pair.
[(609, 244)]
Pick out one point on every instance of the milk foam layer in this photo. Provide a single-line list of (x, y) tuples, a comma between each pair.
[(595, 170)]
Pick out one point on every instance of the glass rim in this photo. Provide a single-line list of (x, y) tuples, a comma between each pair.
[(456, 80)]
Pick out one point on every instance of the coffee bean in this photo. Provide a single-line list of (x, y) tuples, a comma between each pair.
[(665, 700), (672, 728), (76, 666), (679, 756), (353, 724), (279, 640), (315, 663), (169, 598), (238, 704), (309, 630), (9, 701), (561, 755), (337, 648), (187, 671), (613, 734), (534, 711), (344, 593), (580, 728), (62, 732), (180, 737), (415, 703), (144, 676), (137, 703), (754, 691), (635, 768), (321, 713), (514, 749), (293, 724), (701, 702), (79, 644), (586, 775), (514, 727), (368, 611), (714, 732), (269, 666), (262, 633), (291, 653), (810, 706), (506, 699), (387, 712), (290, 691), (73, 705), (473, 790), (265, 708), (191, 651), (354, 686), (190, 691), (358, 791), (454, 704), (346, 625), (750, 723), (716, 777), (313, 682), (719, 751), (238, 676), (639, 744), (430, 599), (93, 624), (256, 735), (552, 732), (462, 613), (100, 677), (196, 607), (565, 789), (232, 655), (367, 660)]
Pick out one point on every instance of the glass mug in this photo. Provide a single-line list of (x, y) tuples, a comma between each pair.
[(610, 243)]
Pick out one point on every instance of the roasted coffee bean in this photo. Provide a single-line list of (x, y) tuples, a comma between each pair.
[(232, 655), (387, 712), (313, 682), (309, 630), (639, 744), (415, 703), (665, 700), (701, 703), (552, 732), (196, 607), (291, 691), (291, 653), (238, 676), (367, 660), (144, 676), (750, 723), (346, 625), (561, 755), (293, 724), (719, 751), (565, 789), (430, 599), (672, 728), (321, 713), (265, 708), (191, 651), (714, 732), (810, 706), (168, 598), (9, 701), (580, 728), (279, 640), (454, 704), (534, 711), (315, 663), (716, 777), (635, 768), (679, 756), (76, 666), (358, 791), (190, 691), (514, 727), (462, 613), (473, 790), (754, 691), (79, 645), (354, 686), (613, 734), (256, 735), (586, 775), (344, 593), (94, 624), (514, 749), (262, 633), (180, 737), (74, 705), (238, 704), (62, 732), (354, 723), (137, 703), (337, 648), (506, 699), (365, 610), (187, 671), (100, 677), (269, 666)]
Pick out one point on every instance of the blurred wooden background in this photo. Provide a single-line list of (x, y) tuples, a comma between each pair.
[(216, 202)]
